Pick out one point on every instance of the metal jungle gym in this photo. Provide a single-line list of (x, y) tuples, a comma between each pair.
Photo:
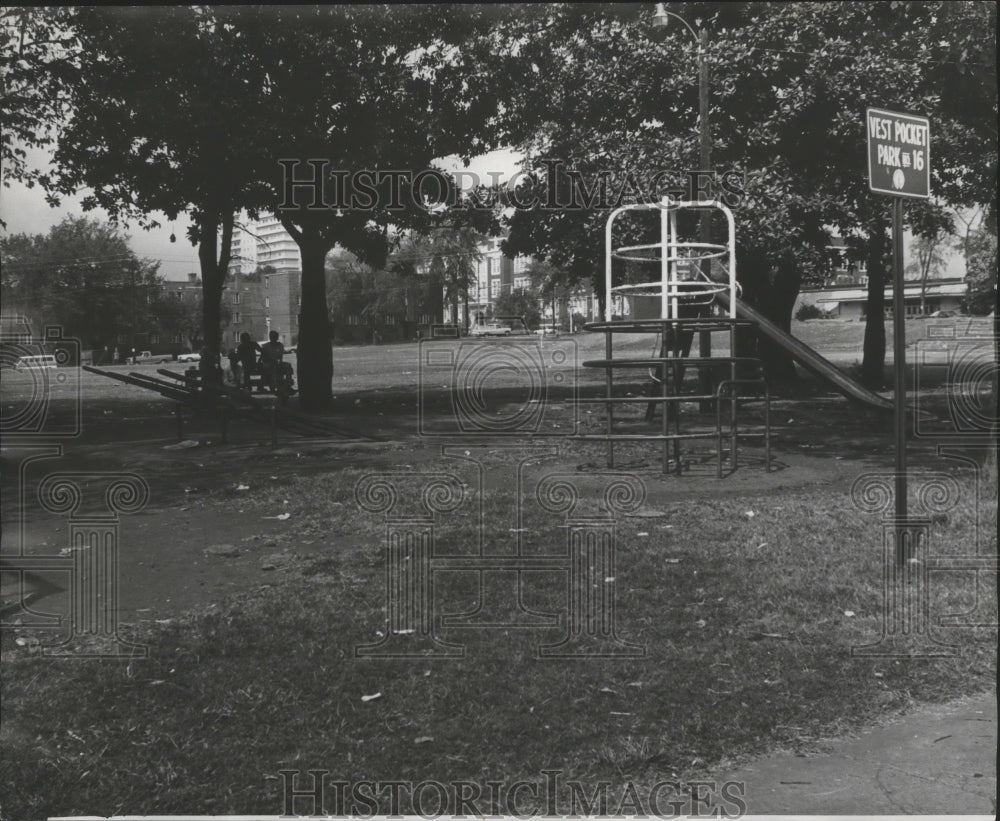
[(679, 301)]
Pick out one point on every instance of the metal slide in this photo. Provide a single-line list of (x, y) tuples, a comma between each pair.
[(809, 359)]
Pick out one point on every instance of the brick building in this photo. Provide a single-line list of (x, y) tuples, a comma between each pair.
[(259, 305)]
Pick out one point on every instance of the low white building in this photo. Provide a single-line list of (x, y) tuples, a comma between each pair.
[(850, 301)]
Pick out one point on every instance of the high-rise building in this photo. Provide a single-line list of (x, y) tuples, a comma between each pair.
[(264, 242), (269, 301)]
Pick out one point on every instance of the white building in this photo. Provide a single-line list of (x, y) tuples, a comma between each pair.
[(850, 301), (264, 242)]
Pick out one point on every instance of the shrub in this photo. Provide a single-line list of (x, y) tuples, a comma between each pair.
[(810, 311)]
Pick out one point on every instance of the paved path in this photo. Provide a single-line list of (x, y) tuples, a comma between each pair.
[(938, 760)]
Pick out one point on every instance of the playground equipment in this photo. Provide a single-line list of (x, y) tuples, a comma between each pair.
[(807, 357), (191, 394), (675, 305), (693, 278)]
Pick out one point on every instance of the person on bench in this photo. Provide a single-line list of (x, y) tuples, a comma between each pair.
[(247, 355), (272, 355)]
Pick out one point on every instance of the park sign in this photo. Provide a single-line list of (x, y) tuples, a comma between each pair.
[(899, 153), (899, 164)]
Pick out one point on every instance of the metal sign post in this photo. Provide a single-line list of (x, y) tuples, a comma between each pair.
[(899, 164), (899, 364)]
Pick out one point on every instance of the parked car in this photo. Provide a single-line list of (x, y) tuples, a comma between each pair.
[(546, 330), (148, 358), (490, 329), (189, 357), (29, 363)]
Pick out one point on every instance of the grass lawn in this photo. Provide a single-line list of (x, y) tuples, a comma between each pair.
[(746, 606), (745, 597)]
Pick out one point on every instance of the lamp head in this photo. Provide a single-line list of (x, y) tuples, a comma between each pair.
[(660, 17)]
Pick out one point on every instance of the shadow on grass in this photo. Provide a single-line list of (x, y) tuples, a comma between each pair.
[(746, 609)]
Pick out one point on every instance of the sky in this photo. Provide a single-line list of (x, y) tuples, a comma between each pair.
[(26, 211)]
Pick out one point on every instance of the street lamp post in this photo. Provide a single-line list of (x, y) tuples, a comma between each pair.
[(131, 281), (661, 19)]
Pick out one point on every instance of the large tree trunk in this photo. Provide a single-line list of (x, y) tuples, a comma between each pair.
[(771, 286), (433, 291), (214, 262), (315, 351), (784, 281), (873, 364)]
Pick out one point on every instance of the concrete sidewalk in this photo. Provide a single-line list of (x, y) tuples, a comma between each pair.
[(938, 760)]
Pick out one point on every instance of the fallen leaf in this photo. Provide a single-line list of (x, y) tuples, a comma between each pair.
[(848, 613), (424, 739), (243, 487), (372, 697)]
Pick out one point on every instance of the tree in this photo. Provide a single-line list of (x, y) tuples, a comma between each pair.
[(185, 318), (981, 276), (83, 276), (789, 85), (370, 89), (521, 302), (356, 289), (450, 254), (611, 71), (552, 284), (928, 258), (258, 273), (148, 125), (38, 52), (969, 219), (192, 108), (922, 56)]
